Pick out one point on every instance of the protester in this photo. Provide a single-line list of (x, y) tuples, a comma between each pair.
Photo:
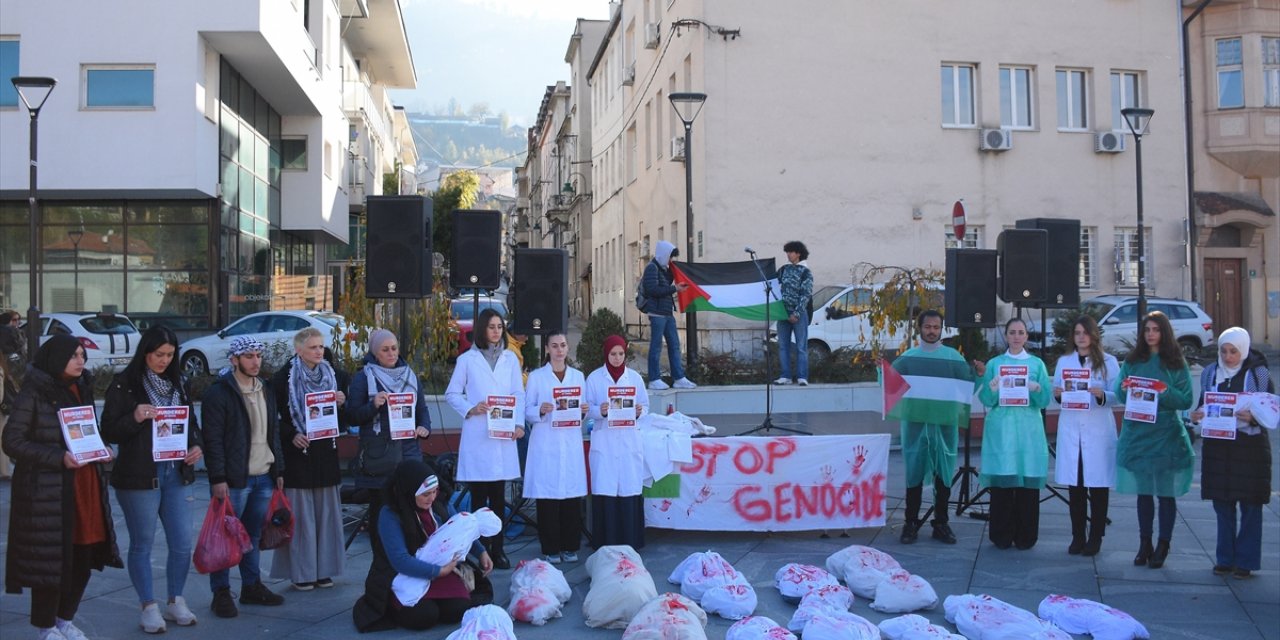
[(1086, 449), (1155, 459), (384, 373), (555, 469), (1236, 473), (617, 463), (312, 476), (245, 463), (657, 288), (148, 490), (486, 462), (408, 517), (60, 524), (929, 448), (8, 393), (1015, 453), (796, 281), (13, 342)]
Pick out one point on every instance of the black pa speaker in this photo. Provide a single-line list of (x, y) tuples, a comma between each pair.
[(970, 297), (541, 286), (1023, 280), (1062, 261), (477, 249), (398, 247)]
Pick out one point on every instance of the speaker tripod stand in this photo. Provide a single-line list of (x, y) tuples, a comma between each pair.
[(768, 425)]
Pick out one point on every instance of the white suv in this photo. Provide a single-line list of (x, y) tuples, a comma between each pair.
[(1118, 317)]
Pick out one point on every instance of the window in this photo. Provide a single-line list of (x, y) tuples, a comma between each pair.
[(293, 154), (1270, 72), (1072, 100), (1015, 98), (1126, 256), (957, 95), (257, 324), (328, 159), (8, 69), (1125, 93), (1230, 74), (1087, 245), (972, 238), (119, 87)]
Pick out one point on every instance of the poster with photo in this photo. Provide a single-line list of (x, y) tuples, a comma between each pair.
[(1142, 401), (322, 415), (169, 433), (401, 409), (1075, 390), (502, 417), (566, 409), (1219, 420), (1013, 385), (622, 407), (80, 431)]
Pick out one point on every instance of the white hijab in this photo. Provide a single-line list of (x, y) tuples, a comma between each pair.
[(1238, 338)]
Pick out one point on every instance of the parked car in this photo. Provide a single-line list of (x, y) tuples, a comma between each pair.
[(1118, 315), (840, 319), (462, 310), (208, 354), (108, 339)]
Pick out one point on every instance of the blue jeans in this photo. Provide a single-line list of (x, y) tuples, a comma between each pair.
[(664, 327), (250, 505), (1241, 550), (800, 330), (168, 503)]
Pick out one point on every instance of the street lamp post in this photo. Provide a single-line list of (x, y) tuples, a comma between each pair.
[(1138, 120), (687, 106), (76, 235), (34, 91)]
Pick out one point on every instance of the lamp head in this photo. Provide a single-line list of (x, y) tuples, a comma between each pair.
[(1138, 119), (687, 105), (33, 90)]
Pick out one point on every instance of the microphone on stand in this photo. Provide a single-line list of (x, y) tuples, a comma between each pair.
[(749, 250)]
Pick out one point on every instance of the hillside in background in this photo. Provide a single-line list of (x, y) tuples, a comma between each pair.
[(468, 140)]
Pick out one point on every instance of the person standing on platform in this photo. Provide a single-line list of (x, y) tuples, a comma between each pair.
[(796, 281), (555, 472), (658, 287), (929, 447), (1015, 453), (1087, 436), (617, 462)]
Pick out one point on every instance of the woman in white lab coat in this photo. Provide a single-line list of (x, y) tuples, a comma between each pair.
[(617, 464), (1086, 448), (555, 472), (485, 463)]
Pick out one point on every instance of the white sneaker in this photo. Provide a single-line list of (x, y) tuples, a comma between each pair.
[(684, 383), (782, 381), (178, 612), (569, 556), (51, 633), (658, 385), (802, 382), (68, 630), (555, 559), (152, 621)]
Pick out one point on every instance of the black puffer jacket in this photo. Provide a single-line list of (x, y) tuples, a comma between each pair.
[(42, 518), (319, 466), (1240, 469), (135, 469), (226, 432)]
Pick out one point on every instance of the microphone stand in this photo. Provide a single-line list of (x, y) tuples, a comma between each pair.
[(768, 425)]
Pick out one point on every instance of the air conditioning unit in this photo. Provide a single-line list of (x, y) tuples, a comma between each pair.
[(1108, 142), (677, 148), (652, 35), (629, 75), (996, 140)]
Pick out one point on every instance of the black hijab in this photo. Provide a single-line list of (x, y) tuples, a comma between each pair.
[(53, 356), (398, 496)]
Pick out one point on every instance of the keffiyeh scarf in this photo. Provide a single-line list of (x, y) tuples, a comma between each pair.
[(304, 380)]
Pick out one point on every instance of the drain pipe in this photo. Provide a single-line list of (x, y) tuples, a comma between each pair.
[(1191, 156)]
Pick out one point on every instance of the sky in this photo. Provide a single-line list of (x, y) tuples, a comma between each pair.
[(503, 52)]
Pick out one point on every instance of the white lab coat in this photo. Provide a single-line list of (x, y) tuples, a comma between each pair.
[(617, 457), (554, 467), (481, 458), (1089, 433)]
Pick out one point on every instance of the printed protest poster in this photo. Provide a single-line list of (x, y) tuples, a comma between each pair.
[(322, 415), (502, 417), (1143, 399), (566, 411), (1219, 420), (622, 407), (169, 433), (1075, 390), (80, 431), (400, 410)]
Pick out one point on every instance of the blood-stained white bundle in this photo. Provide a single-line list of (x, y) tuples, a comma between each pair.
[(620, 586), (1094, 618), (795, 580), (709, 579), (862, 568), (487, 622), (914, 627), (982, 617), (758, 628), (669, 616), (449, 543), (538, 590)]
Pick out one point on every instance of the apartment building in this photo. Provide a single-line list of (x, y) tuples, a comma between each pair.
[(202, 171)]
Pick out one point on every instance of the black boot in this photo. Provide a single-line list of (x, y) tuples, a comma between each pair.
[(494, 545), (1098, 502), (1158, 556), (1144, 552), (1077, 505), (910, 531)]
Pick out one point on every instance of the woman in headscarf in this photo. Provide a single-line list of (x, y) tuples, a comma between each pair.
[(60, 523), (408, 517), (312, 475), (486, 462), (617, 463), (148, 490), (1236, 474), (384, 373), (1155, 459)]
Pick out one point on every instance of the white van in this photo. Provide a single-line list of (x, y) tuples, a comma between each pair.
[(840, 320)]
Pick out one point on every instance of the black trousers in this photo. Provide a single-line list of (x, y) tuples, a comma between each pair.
[(559, 525), (64, 600), (1015, 517), (1088, 506), (428, 613), (941, 494), (492, 495)]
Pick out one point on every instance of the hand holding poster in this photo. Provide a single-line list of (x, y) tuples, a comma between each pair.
[(1143, 398), (502, 417), (1013, 386), (566, 409), (80, 431), (169, 433), (622, 407), (400, 409), (1219, 416), (1075, 390), (322, 415)]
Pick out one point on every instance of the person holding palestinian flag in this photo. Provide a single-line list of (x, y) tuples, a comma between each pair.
[(929, 388)]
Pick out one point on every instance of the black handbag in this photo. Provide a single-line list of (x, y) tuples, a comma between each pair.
[(379, 456)]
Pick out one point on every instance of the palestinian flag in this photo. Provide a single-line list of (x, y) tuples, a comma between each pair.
[(734, 288), (934, 387)]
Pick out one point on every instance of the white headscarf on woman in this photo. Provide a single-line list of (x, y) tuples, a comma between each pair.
[(1238, 338)]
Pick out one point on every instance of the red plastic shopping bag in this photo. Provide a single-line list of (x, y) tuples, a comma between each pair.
[(277, 531), (223, 540)]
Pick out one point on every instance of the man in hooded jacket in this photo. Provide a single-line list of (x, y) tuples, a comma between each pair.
[(657, 287)]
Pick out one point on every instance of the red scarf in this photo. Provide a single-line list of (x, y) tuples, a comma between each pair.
[(609, 343)]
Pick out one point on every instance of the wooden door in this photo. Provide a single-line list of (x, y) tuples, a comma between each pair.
[(1223, 292)]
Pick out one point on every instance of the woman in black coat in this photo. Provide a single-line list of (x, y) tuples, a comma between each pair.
[(60, 521)]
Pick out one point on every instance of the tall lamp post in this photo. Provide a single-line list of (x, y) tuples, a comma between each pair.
[(34, 91), (1138, 120), (687, 106), (76, 235)]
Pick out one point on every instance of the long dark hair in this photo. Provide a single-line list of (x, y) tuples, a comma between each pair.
[(152, 339), (1170, 352), (480, 330), (546, 344), (1090, 327)]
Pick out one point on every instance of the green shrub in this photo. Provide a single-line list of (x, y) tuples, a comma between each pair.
[(972, 344), (590, 351), (841, 366)]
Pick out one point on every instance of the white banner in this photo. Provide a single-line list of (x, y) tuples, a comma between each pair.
[(775, 484)]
